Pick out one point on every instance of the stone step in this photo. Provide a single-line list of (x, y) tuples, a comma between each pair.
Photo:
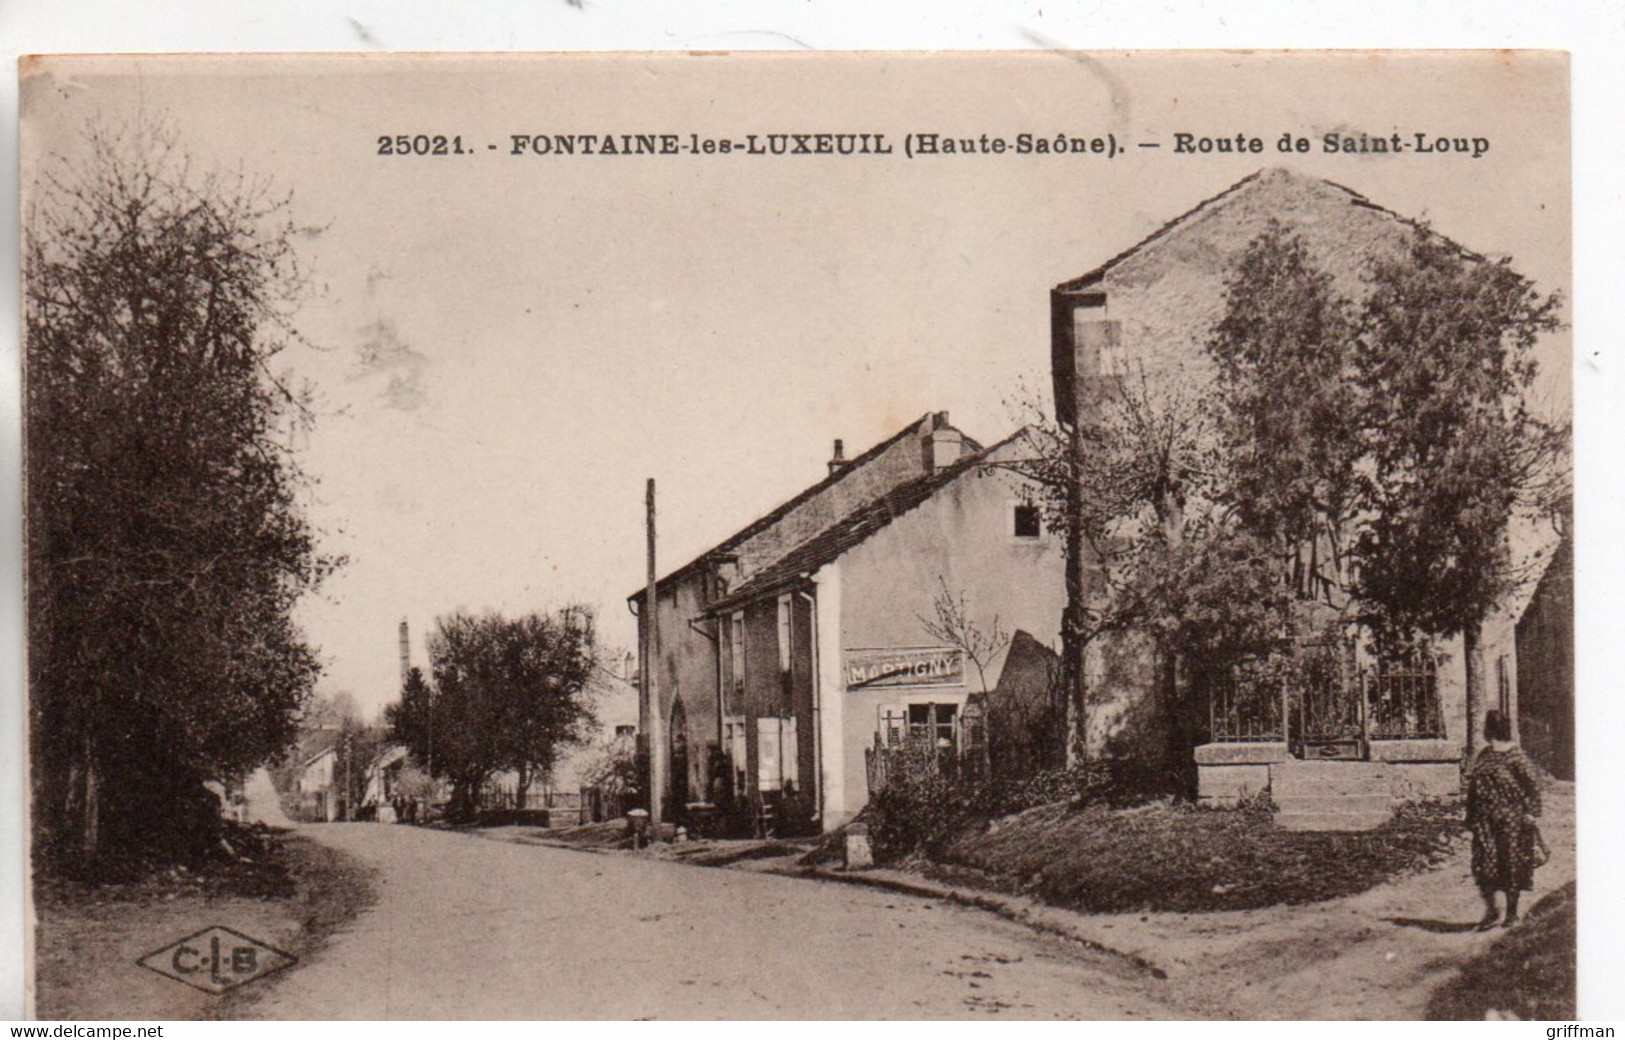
[(1294, 768), (1334, 803), (1288, 787), (1352, 821)]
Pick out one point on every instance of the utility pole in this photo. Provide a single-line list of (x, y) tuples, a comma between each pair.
[(651, 654)]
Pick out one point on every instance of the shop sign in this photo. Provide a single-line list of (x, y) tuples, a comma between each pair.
[(884, 668)]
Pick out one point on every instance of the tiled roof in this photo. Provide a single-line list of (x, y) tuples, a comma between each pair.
[(767, 520), (852, 531), (1092, 277)]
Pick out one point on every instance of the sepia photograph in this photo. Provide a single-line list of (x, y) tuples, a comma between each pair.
[(953, 536)]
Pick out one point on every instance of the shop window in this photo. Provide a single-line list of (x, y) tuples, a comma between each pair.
[(892, 724), (933, 724)]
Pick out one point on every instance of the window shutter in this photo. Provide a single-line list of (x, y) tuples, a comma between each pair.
[(789, 751)]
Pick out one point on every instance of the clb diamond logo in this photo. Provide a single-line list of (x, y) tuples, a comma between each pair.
[(216, 959)]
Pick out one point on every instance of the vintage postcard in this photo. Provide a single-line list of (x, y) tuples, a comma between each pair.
[(786, 536)]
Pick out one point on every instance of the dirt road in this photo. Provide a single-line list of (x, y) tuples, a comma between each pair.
[(469, 928)]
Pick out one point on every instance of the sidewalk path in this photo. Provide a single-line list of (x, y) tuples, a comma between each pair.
[(1376, 955)]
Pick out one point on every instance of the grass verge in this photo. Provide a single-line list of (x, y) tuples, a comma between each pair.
[(1529, 972), (1178, 858), (285, 890)]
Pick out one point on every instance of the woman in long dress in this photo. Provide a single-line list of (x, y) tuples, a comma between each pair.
[(1502, 803)]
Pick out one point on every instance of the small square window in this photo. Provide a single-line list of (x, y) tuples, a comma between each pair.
[(625, 731), (1028, 523)]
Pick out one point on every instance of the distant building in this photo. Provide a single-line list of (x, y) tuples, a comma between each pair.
[(615, 703), (318, 796), (383, 775)]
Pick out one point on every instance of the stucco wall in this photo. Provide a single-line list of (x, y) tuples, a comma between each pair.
[(1170, 292), (687, 668), (960, 538)]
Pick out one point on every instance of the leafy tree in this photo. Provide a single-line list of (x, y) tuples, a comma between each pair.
[(1384, 445), (1352, 461), (411, 720), (1444, 357), (506, 694), (166, 543), (1289, 412)]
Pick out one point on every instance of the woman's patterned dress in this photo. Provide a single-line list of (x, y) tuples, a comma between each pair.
[(1502, 800)]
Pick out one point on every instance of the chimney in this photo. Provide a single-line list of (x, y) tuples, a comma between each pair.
[(1080, 337), (943, 445), (406, 655), (838, 460)]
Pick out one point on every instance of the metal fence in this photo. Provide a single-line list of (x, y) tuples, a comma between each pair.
[(1323, 693), (1402, 698), (1245, 705)]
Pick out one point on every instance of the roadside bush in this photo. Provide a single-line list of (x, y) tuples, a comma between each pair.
[(922, 806), (1116, 783)]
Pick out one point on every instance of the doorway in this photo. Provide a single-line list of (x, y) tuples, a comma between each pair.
[(678, 744)]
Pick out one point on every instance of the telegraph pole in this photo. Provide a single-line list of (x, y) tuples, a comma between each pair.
[(651, 654)]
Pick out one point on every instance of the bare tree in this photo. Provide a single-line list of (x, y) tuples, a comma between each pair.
[(1122, 483), (951, 624)]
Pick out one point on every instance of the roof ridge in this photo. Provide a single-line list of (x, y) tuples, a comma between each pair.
[(779, 511), (858, 526), (1355, 198), (1094, 275)]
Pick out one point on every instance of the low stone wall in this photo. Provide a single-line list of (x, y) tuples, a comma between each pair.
[(1420, 768), (1413, 780), (1229, 773)]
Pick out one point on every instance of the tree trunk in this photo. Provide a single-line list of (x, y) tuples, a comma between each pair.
[(1179, 766), (1074, 644), (90, 808), (1473, 655), (1074, 653)]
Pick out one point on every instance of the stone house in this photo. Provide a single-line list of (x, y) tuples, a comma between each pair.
[(1337, 755), (792, 648), (1545, 664)]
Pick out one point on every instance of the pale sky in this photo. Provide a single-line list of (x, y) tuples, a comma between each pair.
[(509, 346)]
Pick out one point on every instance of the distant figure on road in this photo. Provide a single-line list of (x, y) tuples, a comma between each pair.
[(1502, 803)]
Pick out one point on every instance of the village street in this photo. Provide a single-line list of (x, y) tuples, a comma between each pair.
[(471, 928)]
